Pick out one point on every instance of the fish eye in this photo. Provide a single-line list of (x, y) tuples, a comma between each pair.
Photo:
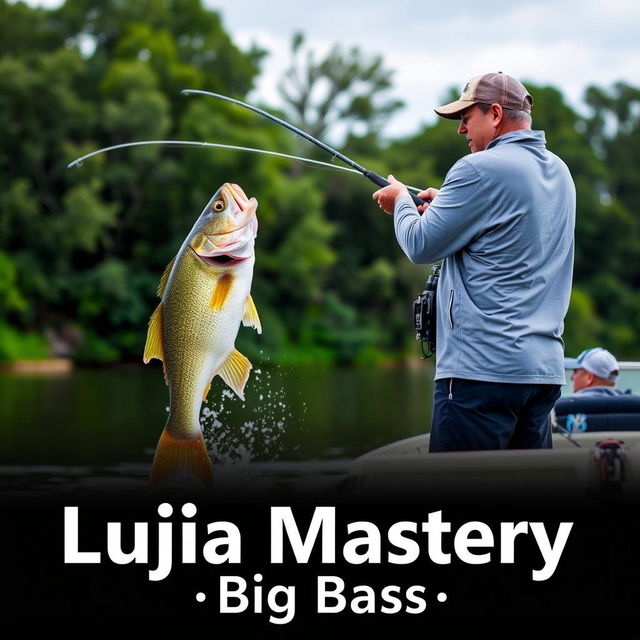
[(218, 205)]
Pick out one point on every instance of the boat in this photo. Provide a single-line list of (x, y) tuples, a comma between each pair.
[(595, 455)]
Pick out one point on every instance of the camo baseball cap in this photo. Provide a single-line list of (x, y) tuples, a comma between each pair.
[(489, 88)]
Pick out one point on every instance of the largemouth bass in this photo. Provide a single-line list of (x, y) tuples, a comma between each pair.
[(205, 295)]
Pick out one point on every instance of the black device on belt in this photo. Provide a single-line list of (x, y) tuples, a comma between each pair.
[(424, 314)]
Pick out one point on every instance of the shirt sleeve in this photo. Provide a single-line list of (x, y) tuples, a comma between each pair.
[(454, 217)]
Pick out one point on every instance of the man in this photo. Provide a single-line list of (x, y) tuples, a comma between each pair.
[(503, 221), (595, 373)]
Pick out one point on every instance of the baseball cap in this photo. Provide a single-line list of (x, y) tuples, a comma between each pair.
[(489, 88), (597, 360)]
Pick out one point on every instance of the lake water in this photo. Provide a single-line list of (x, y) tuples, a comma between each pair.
[(97, 428)]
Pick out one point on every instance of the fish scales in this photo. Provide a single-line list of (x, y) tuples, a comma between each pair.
[(190, 338), (205, 294)]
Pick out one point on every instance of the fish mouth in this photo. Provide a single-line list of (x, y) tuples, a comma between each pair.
[(234, 193), (237, 194), (223, 259)]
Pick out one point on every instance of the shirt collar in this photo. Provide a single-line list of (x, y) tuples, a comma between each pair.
[(528, 136)]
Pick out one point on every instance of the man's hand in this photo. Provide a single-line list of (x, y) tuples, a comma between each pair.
[(428, 195), (386, 197)]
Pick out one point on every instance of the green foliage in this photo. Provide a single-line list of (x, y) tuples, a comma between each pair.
[(85, 220), (615, 130), (82, 251), (96, 350), (426, 157), (583, 327), (18, 345), (11, 299), (25, 30)]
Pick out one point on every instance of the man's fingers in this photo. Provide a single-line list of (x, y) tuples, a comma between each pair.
[(429, 194), (386, 196)]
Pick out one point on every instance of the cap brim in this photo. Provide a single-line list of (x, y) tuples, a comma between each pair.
[(453, 110), (571, 363)]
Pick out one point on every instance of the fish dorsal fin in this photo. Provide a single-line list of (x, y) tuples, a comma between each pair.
[(165, 276), (154, 348), (235, 372), (250, 317), (221, 292)]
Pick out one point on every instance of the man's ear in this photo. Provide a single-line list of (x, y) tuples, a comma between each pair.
[(497, 113)]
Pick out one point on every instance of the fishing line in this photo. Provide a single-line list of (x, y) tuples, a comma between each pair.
[(216, 145), (206, 144)]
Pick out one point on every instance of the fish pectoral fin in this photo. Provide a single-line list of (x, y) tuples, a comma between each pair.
[(165, 276), (206, 391), (221, 291), (235, 372), (250, 317), (154, 348)]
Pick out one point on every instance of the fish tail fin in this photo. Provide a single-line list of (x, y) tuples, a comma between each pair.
[(180, 456)]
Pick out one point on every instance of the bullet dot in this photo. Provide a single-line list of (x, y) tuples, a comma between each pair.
[(165, 510), (442, 597), (201, 597), (189, 510)]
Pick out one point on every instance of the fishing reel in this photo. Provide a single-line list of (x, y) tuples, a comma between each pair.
[(424, 314)]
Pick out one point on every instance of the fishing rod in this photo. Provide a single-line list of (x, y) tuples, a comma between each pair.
[(217, 145), (367, 173)]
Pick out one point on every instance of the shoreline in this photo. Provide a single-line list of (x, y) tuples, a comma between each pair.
[(48, 366), (67, 365)]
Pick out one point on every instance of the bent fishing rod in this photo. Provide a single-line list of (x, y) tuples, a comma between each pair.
[(356, 168), (218, 145), (367, 173)]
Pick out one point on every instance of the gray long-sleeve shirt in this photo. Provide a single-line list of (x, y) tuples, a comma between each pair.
[(504, 223)]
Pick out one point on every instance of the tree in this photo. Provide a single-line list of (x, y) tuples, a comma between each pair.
[(343, 89), (614, 130)]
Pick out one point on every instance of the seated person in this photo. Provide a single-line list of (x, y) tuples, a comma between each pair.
[(595, 372)]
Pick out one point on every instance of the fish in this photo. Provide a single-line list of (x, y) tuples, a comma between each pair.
[(205, 294)]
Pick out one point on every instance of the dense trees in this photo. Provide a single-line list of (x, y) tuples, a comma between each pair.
[(81, 251)]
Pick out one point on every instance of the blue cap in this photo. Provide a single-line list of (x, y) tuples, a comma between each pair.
[(597, 360)]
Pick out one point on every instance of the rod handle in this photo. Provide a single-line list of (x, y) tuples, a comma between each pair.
[(382, 182)]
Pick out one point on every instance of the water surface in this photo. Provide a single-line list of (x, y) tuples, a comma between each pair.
[(92, 427), (95, 429)]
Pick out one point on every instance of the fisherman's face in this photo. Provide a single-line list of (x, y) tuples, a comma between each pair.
[(477, 127), (581, 379)]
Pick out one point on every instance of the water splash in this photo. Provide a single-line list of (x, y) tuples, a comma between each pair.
[(253, 430)]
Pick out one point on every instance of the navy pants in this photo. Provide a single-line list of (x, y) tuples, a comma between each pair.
[(469, 415)]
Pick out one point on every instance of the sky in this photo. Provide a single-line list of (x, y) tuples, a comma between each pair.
[(430, 47)]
